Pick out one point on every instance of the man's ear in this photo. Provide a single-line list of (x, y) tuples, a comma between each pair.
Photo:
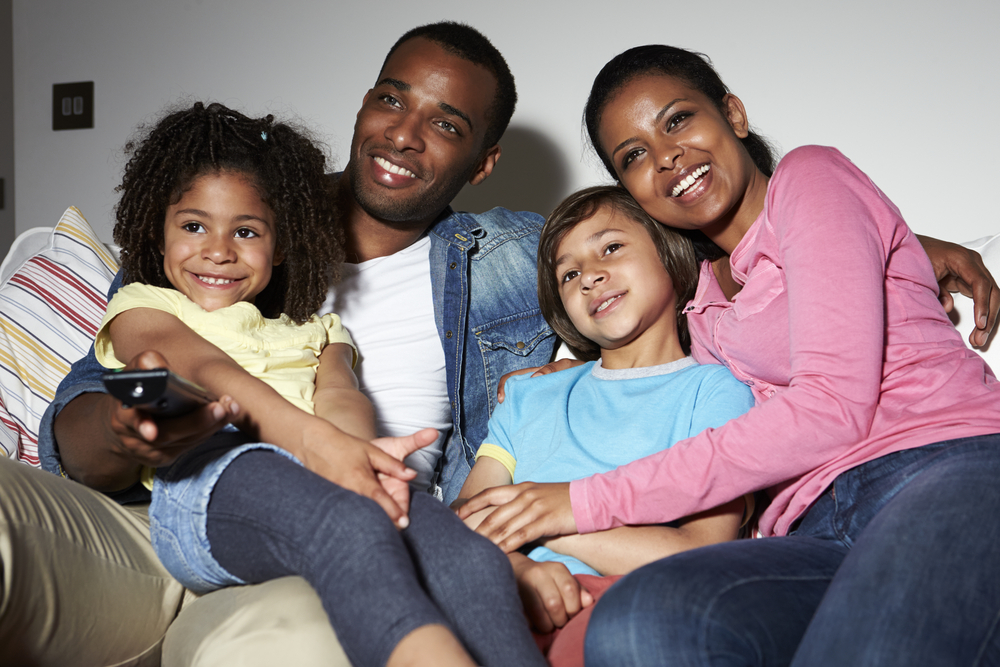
[(736, 114), (364, 101), (485, 166)]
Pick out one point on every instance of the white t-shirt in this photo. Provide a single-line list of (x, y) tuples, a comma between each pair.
[(387, 306)]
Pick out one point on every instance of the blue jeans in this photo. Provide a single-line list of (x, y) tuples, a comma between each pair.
[(898, 563), (249, 514)]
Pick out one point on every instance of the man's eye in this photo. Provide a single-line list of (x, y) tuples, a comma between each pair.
[(193, 227), (389, 99), (448, 127), (244, 233)]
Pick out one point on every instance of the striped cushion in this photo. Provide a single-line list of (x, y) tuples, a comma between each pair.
[(50, 308)]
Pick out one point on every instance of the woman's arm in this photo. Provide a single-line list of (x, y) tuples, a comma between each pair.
[(262, 412)]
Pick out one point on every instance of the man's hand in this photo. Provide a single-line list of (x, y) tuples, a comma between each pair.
[(400, 448), (551, 367), (524, 513), (959, 269), (551, 596)]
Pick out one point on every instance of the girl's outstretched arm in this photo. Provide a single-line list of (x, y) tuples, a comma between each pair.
[(262, 412)]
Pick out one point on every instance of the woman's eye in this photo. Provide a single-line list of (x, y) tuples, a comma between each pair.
[(193, 227), (677, 118), (244, 233), (569, 275), (612, 247), (630, 157)]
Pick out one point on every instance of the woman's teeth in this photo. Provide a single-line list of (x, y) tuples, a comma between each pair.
[(215, 281), (682, 187), (393, 169)]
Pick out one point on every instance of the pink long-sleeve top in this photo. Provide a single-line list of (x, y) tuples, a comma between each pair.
[(838, 332)]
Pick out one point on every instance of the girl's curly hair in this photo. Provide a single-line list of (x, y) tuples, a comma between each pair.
[(284, 165)]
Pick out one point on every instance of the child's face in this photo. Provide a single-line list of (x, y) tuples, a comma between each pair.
[(219, 242), (612, 283)]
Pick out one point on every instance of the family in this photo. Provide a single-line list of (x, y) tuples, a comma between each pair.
[(762, 352)]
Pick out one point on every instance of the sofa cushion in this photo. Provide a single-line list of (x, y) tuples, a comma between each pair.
[(51, 303)]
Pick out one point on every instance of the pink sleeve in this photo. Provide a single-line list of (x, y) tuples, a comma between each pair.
[(826, 223)]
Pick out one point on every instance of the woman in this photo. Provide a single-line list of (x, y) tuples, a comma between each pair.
[(876, 432)]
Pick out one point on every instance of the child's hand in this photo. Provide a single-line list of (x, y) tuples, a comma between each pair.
[(352, 464), (400, 448), (550, 594), (158, 442)]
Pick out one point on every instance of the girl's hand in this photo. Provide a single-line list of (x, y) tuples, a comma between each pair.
[(400, 448), (158, 442), (524, 513), (551, 596), (551, 367), (353, 464)]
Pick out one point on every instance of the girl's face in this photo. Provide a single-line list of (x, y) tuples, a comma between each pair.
[(613, 285), (219, 241), (681, 158)]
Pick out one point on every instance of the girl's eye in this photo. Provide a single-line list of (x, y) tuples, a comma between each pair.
[(245, 233), (569, 275), (612, 247), (677, 118), (193, 227)]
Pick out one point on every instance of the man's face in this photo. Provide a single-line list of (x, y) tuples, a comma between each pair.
[(419, 134)]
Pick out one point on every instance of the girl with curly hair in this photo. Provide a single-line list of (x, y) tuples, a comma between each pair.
[(229, 242)]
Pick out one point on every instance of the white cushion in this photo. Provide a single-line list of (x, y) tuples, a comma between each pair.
[(52, 297)]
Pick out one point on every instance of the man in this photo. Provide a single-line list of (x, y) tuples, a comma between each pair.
[(464, 313)]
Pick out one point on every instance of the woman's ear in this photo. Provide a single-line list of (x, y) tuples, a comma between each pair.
[(278, 258), (736, 114)]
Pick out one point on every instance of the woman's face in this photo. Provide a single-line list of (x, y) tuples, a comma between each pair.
[(681, 158)]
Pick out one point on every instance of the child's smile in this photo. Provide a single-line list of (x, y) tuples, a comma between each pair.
[(615, 288), (219, 241)]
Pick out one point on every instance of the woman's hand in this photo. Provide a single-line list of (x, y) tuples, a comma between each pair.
[(524, 513), (551, 596), (959, 269), (399, 448), (551, 367)]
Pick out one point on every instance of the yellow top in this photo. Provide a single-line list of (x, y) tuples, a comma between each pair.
[(283, 354)]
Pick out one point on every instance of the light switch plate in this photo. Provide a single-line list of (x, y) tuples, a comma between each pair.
[(73, 105)]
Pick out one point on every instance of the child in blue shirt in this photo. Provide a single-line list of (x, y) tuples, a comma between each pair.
[(612, 283)]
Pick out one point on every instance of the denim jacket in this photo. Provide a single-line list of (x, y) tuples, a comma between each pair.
[(484, 284)]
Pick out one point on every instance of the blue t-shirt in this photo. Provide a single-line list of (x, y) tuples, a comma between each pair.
[(587, 420)]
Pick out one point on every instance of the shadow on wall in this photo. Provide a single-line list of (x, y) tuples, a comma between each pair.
[(532, 175)]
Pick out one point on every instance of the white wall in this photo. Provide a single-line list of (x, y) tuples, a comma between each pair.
[(906, 88), (6, 127)]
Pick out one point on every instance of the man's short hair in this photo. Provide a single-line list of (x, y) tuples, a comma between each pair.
[(469, 44)]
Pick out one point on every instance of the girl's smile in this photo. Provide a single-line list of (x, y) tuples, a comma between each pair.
[(219, 241), (682, 159)]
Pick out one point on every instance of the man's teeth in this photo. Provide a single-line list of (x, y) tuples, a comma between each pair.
[(393, 169), (681, 187), (215, 281), (607, 303)]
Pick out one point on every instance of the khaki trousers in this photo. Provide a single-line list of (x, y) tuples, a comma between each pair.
[(81, 585)]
